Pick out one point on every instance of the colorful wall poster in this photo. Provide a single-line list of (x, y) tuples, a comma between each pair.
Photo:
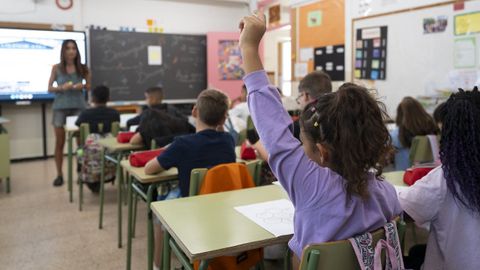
[(331, 60), (371, 53), (435, 25), (468, 23), (274, 15), (465, 53), (229, 60)]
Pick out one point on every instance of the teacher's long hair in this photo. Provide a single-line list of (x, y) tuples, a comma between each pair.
[(81, 69)]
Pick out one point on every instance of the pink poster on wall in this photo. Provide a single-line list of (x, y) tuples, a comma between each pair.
[(224, 63)]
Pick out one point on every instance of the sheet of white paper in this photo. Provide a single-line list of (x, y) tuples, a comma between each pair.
[(301, 70), (306, 54), (465, 53), (155, 55), (274, 216), (71, 122), (124, 117)]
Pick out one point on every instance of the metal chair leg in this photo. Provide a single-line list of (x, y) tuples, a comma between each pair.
[(102, 187)]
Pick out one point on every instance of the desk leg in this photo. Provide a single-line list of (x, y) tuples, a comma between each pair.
[(166, 251), (287, 260), (119, 199), (150, 228), (135, 200), (8, 184), (69, 161), (129, 235), (102, 187), (203, 265)]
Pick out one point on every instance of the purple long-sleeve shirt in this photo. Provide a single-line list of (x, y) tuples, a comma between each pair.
[(322, 212)]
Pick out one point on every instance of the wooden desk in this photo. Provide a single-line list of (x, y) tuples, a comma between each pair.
[(138, 181), (395, 178), (114, 152), (207, 226)]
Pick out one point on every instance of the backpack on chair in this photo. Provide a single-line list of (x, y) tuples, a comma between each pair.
[(89, 158), (370, 258)]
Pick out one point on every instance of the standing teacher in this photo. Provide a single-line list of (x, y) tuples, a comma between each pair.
[(69, 99)]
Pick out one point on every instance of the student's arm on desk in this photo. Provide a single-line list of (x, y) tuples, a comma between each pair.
[(262, 152), (153, 167), (137, 139)]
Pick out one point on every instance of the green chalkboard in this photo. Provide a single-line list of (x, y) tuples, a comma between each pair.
[(120, 61)]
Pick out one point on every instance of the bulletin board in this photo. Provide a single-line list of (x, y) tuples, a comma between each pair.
[(425, 57), (318, 25)]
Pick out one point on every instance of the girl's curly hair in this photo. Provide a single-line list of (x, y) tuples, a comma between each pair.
[(460, 147), (349, 123)]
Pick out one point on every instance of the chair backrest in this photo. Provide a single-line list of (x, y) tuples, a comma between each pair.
[(84, 130), (340, 254), (255, 169), (421, 150), (223, 177)]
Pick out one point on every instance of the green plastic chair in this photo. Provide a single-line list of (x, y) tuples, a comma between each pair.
[(84, 131), (421, 151), (340, 254), (5, 158)]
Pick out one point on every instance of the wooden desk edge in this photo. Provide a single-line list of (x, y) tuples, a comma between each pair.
[(125, 164), (220, 252)]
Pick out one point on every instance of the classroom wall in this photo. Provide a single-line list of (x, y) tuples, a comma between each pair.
[(270, 41), (391, 97), (353, 9), (173, 16)]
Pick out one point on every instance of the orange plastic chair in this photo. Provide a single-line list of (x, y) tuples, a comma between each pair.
[(227, 177)]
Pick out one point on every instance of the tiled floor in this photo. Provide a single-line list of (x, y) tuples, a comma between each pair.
[(40, 229)]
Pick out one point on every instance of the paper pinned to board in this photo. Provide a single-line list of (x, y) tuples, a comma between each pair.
[(154, 55), (274, 216), (306, 54), (301, 70)]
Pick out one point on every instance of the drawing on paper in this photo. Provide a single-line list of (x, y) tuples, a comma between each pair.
[(276, 215)]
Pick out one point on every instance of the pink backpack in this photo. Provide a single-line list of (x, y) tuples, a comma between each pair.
[(371, 259)]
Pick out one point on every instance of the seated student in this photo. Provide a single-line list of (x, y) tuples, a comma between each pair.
[(89, 161), (204, 149), (449, 196), (154, 98), (333, 180), (159, 126), (412, 120), (99, 113)]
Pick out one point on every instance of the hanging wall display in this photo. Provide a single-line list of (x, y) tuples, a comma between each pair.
[(371, 53), (331, 60)]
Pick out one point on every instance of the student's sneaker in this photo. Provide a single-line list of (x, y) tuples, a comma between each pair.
[(58, 181)]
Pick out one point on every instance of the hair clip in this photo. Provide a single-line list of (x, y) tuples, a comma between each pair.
[(315, 124)]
